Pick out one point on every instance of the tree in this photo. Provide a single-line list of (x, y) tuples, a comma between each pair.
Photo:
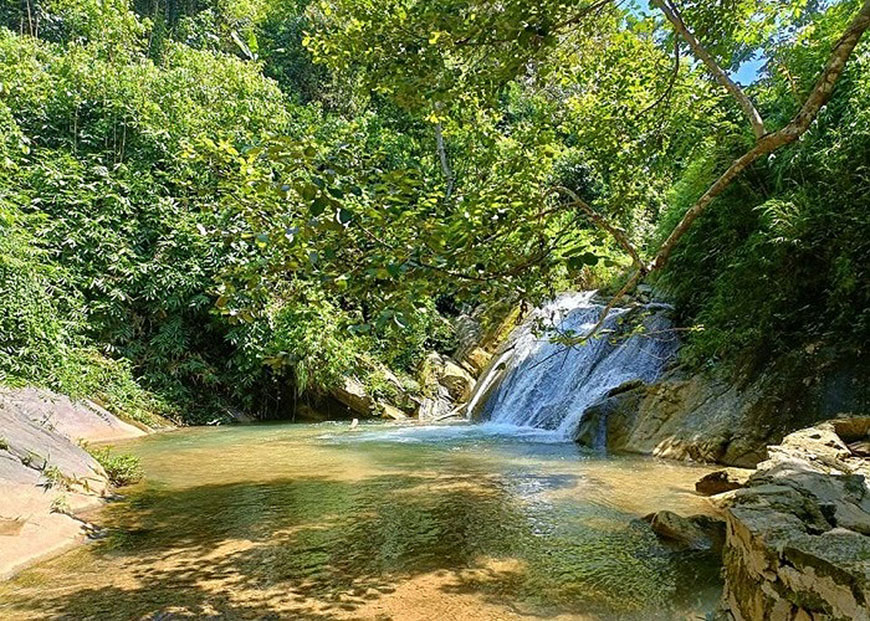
[(438, 56)]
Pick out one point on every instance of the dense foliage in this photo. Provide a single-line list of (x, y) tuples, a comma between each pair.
[(213, 205)]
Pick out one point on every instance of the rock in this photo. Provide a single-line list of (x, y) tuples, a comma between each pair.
[(440, 372), (437, 406), (860, 448), (11, 527), (41, 463), (477, 360), (722, 481), (710, 418), (82, 419), (797, 544), (468, 334), (352, 394), (391, 411), (457, 380), (698, 532), (608, 423)]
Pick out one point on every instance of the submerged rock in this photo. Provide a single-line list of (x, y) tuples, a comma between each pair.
[(797, 544), (697, 532)]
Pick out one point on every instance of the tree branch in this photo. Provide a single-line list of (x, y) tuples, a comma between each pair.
[(799, 124), (442, 156), (745, 103), (769, 143), (617, 234)]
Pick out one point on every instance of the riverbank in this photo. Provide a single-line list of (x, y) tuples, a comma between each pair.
[(48, 481)]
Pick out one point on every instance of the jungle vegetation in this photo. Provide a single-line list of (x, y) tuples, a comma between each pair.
[(211, 204)]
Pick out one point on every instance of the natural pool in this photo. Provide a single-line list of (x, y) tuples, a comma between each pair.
[(380, 522)]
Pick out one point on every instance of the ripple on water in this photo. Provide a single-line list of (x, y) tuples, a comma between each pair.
[(454, 522)]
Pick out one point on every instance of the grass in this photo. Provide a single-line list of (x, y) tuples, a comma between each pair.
[(61, 505), (121, 468)]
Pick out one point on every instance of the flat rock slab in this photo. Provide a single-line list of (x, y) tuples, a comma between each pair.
[(77, 420)]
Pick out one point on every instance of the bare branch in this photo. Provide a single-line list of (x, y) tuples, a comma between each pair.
[(745, 103)]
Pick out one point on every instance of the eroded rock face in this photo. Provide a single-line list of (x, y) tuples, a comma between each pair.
[(797, 544), (710, 419)]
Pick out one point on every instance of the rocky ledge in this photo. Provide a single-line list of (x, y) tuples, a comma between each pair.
[(46, 478), (798, 534), (728, 420)]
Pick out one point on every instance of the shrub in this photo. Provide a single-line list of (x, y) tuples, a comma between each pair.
[(121, 468)]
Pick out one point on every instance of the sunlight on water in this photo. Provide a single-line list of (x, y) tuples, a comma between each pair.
[(383, 522)]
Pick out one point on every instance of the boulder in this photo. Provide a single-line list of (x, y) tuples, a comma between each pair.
[(797, 544), (391, 411), (438, 370), (697, 532), (722, 481), (477, 360), (436, 406), (457, 380), (352, 394)]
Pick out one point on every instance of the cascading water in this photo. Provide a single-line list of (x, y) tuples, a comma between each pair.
[(538, 383)]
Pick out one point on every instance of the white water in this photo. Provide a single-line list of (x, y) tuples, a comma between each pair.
[(548, 386)]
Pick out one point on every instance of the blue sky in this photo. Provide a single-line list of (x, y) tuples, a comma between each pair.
[(745, 74), (748, 71)]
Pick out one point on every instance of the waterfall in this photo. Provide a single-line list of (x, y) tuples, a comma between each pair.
[(536, 383)]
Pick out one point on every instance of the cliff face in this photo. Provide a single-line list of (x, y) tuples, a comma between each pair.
[(705, 418)]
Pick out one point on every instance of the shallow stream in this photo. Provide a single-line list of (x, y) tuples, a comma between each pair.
[(380, 522)]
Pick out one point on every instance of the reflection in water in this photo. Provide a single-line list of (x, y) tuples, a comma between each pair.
[(322, 523)]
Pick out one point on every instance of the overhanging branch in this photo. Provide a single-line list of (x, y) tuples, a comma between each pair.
[(769, 143), (704, 56)]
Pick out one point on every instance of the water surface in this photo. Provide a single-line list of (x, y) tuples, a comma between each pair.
[(324, 522)]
